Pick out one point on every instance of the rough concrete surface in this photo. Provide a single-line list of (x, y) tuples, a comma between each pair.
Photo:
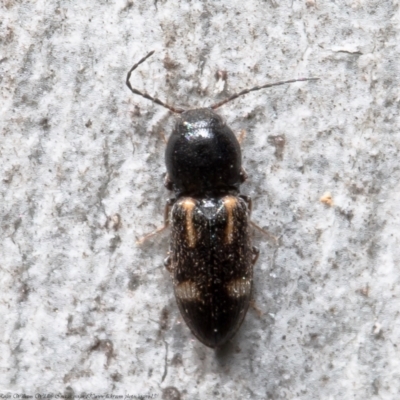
[(85, 310)]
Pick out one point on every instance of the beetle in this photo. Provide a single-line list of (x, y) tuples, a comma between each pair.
[(211, 257)]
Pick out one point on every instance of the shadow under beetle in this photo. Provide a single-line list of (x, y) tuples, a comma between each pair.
[(211, 257)]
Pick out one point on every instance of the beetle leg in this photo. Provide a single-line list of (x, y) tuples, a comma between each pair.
[(254, 306), (168, 263), (247, 199), (263, 231), (242, 136), (256, 253), (167, 182), (162, 134), (167, 209), (249, 203), (243, 177)]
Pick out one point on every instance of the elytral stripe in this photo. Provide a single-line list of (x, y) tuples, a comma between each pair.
[(230, 203), (188, 205), (239, 287), (187, 290)]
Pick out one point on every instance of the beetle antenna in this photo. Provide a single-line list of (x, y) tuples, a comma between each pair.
[(145, 95), (268, 85)]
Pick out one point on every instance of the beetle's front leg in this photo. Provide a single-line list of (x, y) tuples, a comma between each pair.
[(168, 263), (167, 210), (242, 136), (167, 182), (249, 203)]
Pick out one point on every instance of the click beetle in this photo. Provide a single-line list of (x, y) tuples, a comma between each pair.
[(211, 257)]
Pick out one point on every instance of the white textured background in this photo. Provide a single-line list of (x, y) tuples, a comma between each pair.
[(85, 310)]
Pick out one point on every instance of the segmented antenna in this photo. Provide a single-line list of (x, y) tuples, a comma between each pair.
[(268, 85), (145, 95), (214, 106)]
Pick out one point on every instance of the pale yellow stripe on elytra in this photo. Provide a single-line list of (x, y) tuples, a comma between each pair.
[(187, 290), (239, 287), (230, 203), (188, 205)]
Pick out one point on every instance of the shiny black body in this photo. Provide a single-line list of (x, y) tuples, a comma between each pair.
[(203, 156), (211, 257)]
